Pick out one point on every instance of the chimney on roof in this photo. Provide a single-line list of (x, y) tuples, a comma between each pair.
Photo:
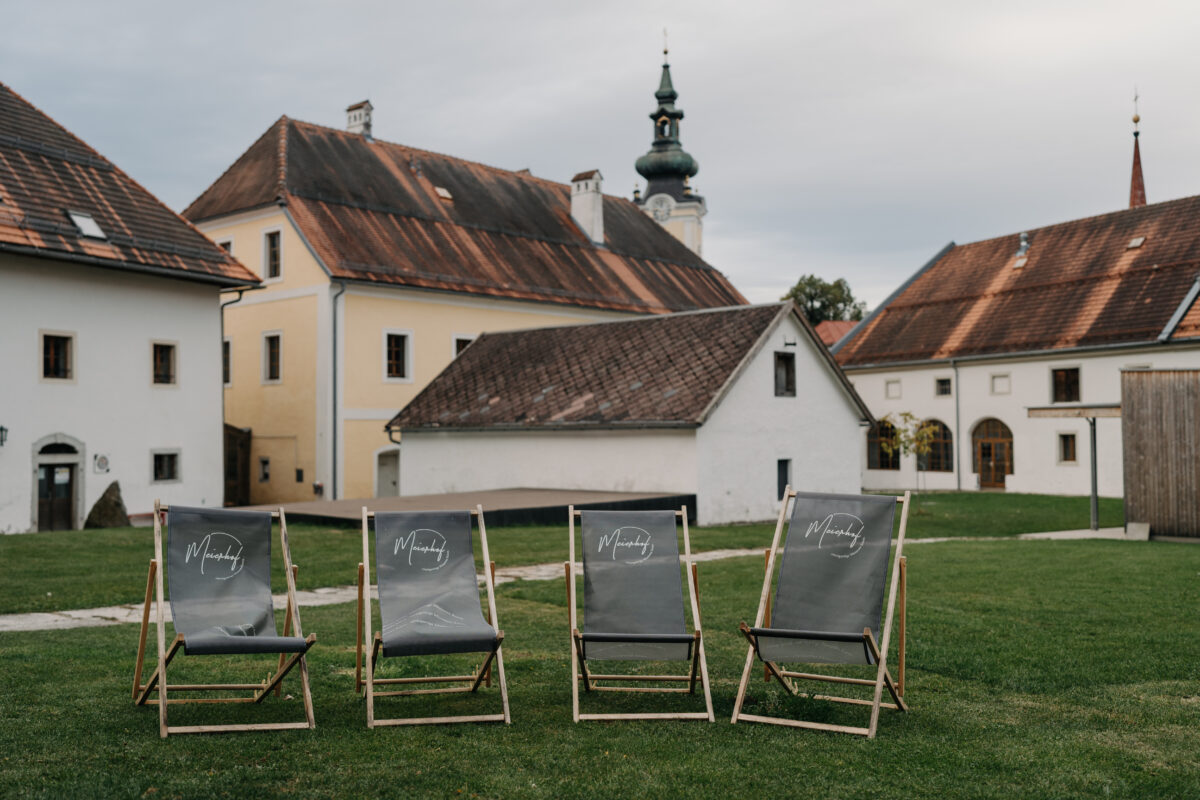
[(358, 118), (587, 204)]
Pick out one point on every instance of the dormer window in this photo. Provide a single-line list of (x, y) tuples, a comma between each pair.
[(86, 225)]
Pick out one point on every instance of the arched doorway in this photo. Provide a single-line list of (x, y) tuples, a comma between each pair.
[(58, 482), (992, 452)]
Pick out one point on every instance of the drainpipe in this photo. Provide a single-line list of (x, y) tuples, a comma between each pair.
[(222, 314), (333, 490), (957, 431)]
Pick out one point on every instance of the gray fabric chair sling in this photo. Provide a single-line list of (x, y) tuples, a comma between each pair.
[(428, 605), (829, 600), (219, 563), (633, 605)]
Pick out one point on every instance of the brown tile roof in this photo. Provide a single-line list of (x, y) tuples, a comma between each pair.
[(1082, 286), (372, 212), (656, 371), (46, 171), (831, 330)]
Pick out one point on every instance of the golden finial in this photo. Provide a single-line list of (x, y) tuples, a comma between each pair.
[(1136, 117), (664, 44)]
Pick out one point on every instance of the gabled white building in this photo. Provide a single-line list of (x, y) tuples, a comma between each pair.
[(729, 405), (110, 335), (1049, 316)]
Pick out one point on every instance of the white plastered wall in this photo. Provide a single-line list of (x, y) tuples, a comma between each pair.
[(739, 446), (1036, 466), (111, 406), (618, 461)]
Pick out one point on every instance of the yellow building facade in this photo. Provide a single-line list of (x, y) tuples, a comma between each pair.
[(379, 263)]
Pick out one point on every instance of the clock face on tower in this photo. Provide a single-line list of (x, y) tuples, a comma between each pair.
[(660, 205)]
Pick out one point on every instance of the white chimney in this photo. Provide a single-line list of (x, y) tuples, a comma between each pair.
[(358, 118), (587, 204)]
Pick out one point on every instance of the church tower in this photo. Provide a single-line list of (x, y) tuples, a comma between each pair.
[(667, 168)]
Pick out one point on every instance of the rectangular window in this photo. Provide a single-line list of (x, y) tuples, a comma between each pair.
[(264, 469), (226, 363), (1066, 385), (785, 374), (942, 387), (166, 466), (891, 390), (164, 363), (226, 245), (1066, 448), (299, 476), (881, 450), (271, 260), (460, 344), (783, 476), (57, 356), (271, 358), (397, 355), (1001, 384)]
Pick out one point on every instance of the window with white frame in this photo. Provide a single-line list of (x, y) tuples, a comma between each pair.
[(272, 255), (162, 357), (397, 356), (58, 355), (461, 340), (272, 357), (891, 389), (1001, 383)]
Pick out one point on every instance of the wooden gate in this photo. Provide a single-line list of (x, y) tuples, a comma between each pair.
[(1160, 440)]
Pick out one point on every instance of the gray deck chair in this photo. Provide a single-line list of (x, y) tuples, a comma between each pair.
[(428, 605), (633, 605), (219, 563), (829, 601)]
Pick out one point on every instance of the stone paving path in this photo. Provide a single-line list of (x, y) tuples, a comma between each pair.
[(332, 595)]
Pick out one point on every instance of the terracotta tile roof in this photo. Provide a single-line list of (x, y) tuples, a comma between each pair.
[(657, 371), (372, 212), (831, 330), (1082, 286), (45, 172)]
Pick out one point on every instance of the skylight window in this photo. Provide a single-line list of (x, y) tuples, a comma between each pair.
[(86, 225), (443, 193), (1135, 243)]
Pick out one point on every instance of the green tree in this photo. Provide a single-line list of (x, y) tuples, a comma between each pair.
[(821, 300)]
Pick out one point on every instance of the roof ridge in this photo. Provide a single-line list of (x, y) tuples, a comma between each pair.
[(425, 151), (281, 157), (1139, 209), (636, 318)]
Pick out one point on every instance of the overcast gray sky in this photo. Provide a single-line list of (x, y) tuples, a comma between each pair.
[(842, 139)]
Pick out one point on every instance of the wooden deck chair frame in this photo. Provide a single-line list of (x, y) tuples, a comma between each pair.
[(592, 681), (157, 682), (883, 678), (365, 678)]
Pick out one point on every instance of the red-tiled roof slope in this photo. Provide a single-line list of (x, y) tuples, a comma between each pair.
[(1082, 286), (656, 371), (372, 212), (46, 171), (831, 330)]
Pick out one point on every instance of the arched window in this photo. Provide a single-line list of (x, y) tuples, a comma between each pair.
[(940, 457), (877, 456)]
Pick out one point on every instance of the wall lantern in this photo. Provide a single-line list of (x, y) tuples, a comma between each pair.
[(3, 435)]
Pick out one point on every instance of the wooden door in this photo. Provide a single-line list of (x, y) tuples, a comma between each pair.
[(56, 497), (991, 464)]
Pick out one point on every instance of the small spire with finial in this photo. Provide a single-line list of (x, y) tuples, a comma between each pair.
[(1137, 185)]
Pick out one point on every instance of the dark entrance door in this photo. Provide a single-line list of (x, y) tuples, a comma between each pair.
[(56, 493), (993, 453)]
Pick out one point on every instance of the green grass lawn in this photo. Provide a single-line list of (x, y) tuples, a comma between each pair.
[(1036, 669), (40, 572)]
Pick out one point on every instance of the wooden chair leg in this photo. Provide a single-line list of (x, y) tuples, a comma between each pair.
[(141, 652)]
